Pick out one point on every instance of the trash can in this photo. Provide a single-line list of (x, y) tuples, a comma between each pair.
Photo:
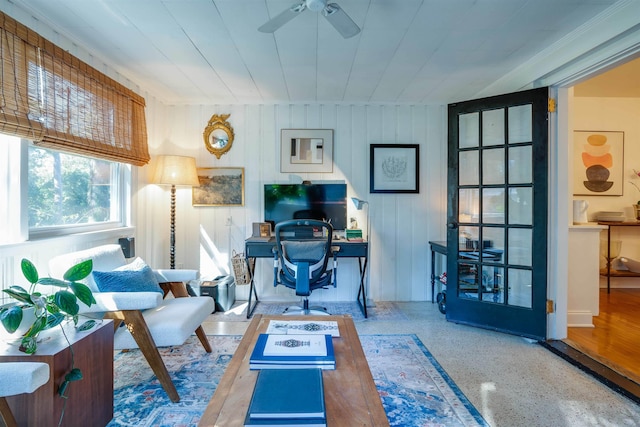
[(222, 289)]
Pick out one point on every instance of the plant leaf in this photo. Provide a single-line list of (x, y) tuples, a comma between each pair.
[(62, 389), (87, 325), (38, 325), (79, 271), (28, 345), (19, 293), (11, 318), (29, 271), (74, 375), (54, 320), (53, 282), (51, 305), (83, 293), (67, 302)]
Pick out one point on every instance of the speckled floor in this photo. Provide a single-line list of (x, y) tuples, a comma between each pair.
[(512, 382)]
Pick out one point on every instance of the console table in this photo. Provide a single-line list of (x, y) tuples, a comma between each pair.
[(607, 271), (258, 248), (351, 397), (90, 400)]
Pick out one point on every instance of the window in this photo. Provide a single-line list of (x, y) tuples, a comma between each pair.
[(49, 193), (70, 190)]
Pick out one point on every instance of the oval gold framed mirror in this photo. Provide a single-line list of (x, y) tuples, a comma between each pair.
[(218, 135)]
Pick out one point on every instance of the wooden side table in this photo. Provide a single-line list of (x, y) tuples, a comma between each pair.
[(90, 400)]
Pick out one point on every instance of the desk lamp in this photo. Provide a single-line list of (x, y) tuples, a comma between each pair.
[(359, 204), (175, 170)]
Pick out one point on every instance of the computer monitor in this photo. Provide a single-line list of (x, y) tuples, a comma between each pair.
[(327, 202)]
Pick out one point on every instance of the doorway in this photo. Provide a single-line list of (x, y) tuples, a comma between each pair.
[(606, 343)]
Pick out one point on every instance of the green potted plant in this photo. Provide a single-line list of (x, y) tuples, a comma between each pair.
[(48, 311)]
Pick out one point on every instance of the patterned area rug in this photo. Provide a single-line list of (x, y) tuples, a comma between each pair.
[(414, 389), (381, 312)]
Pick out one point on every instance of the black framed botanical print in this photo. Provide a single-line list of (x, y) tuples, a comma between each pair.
[(394, 168)]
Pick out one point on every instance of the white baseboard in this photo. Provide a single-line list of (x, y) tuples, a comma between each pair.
[(580, 319)]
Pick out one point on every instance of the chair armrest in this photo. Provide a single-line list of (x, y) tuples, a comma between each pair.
[(182, 275), (115, 301), (177, 289), (22, 377)]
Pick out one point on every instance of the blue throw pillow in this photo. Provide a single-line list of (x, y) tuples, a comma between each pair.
[(142, 280)]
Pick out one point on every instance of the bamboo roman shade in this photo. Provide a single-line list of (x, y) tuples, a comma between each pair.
[(56, 100)]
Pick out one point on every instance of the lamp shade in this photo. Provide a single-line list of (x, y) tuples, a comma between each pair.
[(176, 170), (359, 203)]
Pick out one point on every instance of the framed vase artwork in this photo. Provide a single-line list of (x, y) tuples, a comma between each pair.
[(394, 168), (219, 187), (306, 150), (598, 163)]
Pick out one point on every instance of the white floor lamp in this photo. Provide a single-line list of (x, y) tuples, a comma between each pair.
[(359, 203), (175, 170)]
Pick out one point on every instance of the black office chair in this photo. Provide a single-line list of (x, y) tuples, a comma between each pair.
[(301, 256)]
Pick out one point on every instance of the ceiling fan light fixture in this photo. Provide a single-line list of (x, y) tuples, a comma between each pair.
[(316, 5), (330, 9), (297, 8)]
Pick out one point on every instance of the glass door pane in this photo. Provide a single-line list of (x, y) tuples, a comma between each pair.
[(469, 130), (493, 166)]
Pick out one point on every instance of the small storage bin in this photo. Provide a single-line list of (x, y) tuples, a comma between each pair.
[(223, 291)]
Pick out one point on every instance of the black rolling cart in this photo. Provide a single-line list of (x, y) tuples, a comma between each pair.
[(439, 274)]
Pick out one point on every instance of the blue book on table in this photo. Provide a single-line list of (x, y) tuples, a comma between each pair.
[(285, 422), (258, 360), (288, 394)]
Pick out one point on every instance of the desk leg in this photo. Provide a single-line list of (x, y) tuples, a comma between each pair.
[(363, 271), (433, 275), (252, 289), (609, 259)]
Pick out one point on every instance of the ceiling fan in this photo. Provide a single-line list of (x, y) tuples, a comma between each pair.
[(332, 12)]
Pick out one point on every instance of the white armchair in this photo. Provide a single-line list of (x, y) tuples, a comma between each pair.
[(151, 320), (18, 378)]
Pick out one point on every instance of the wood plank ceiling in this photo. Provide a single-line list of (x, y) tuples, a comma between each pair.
[(409, 51)]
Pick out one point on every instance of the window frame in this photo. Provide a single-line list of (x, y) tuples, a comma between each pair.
[(16, 193), (121, 188)]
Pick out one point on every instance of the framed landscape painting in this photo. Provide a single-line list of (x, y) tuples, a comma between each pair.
[(219, 187)]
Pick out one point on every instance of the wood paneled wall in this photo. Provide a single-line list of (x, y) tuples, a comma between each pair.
[(401, 224)]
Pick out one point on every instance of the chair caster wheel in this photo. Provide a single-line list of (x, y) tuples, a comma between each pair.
[(442, 306)]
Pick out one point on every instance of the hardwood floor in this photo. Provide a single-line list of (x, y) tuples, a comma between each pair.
[(615, 340)]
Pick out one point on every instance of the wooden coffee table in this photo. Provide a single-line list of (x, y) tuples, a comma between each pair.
[(350, 394)]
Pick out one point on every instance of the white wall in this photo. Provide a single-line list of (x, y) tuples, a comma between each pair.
[(613, 114), (616, 114), (402, 224)]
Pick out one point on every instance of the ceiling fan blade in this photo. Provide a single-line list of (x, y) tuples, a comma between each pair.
[(340, 20), (284, 17)]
